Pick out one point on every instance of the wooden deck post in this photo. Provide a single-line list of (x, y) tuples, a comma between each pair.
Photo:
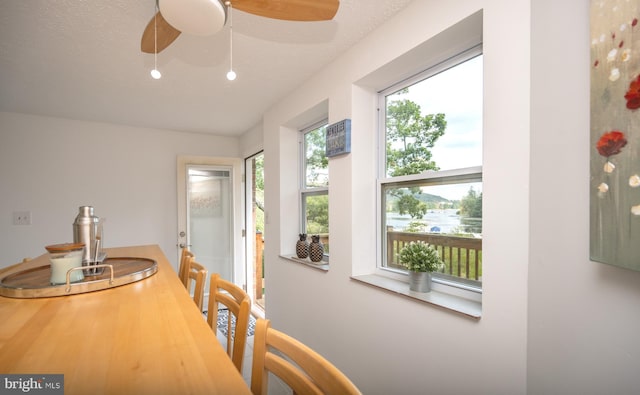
[(258, 265)]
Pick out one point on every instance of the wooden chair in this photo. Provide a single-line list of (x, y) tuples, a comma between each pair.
[(182, 270), (238, 305), (309, 374), (196, 274)]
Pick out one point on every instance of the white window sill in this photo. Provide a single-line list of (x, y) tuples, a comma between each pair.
[(324, 266), (455, 303)]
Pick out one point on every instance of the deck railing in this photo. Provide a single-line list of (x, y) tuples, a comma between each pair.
[(462, 255)]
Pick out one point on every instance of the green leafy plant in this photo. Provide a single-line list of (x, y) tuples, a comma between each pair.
[(419, 256)]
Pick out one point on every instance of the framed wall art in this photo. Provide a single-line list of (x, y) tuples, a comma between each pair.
[(615, 133)]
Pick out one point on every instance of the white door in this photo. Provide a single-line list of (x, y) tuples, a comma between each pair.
[(208, 214)]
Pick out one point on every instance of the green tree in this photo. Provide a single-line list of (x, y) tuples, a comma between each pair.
[(317, 211), (471, 205), (409, 204), (317, 162), (316, 173), (259, 164), (471, 211), (258, 193), (410, 138)]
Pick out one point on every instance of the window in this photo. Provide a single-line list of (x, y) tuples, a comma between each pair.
[(314, 188), (431, 168)]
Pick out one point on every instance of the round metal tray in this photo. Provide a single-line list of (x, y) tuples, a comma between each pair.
[(113, 272)]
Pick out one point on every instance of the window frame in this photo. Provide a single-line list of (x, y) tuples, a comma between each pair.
[(304, 190), (441, 282)]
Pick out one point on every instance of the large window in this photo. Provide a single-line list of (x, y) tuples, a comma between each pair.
[(431, 168), (314, 188)]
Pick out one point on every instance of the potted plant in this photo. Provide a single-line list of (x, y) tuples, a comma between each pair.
[(420, 259)]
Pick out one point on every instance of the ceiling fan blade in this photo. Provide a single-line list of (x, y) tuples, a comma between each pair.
[(290, 10), (166, 34)]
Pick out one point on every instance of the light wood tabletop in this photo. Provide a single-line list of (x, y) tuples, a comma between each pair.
[(146, 337)]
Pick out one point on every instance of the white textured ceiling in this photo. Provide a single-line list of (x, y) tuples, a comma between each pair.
[(81, 59)]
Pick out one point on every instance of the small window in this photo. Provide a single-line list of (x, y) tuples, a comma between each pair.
[(431, 168), (314, 189)]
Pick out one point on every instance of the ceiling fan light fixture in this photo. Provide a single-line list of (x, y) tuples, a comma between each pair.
[(197, 17), (231, 75), (155, 73)]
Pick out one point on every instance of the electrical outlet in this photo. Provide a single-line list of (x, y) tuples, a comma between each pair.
[(22, 217)]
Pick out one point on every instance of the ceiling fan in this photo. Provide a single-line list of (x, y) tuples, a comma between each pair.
[(205, 17)]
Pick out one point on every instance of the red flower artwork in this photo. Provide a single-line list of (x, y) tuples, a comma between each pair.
[(611, 143), (633, 94)]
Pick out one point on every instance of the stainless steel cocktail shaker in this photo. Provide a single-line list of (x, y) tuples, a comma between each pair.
[(87, 229)]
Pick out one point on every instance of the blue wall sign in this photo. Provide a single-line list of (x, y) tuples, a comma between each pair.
[(338, 138)]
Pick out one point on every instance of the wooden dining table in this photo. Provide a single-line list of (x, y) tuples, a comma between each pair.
[(146, 337)]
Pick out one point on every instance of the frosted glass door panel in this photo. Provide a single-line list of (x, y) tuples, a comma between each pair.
[(209, 218)]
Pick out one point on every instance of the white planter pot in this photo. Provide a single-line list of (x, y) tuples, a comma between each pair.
[(420, 281)]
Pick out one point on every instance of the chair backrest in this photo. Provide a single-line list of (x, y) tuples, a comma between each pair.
[(183, 270), (237, 304), (196, 274), (309, 374)]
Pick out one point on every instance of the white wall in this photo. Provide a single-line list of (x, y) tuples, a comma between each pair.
[(52, 166), (251, 142), (553, 321), (388, 344), (584, 317)]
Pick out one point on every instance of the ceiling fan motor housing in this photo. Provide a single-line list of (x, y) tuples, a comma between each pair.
[(198, 17)]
